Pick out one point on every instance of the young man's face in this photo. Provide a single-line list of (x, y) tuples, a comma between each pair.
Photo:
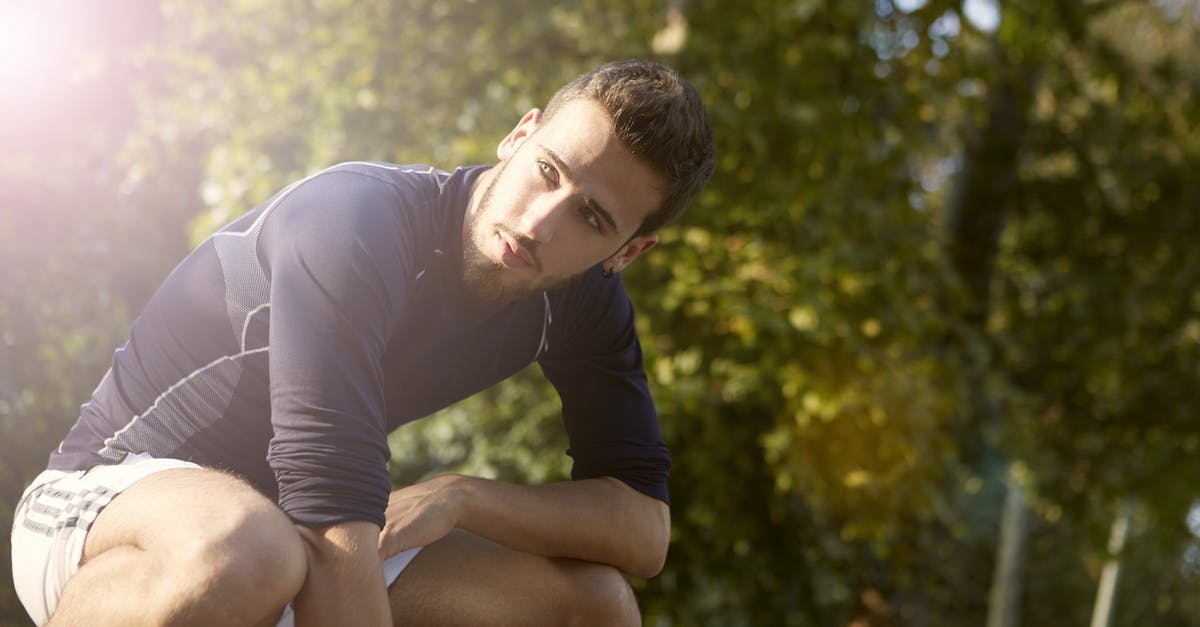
[(564, 197)]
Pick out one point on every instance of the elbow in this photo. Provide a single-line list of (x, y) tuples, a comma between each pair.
[(644, 532), (649, 561), (651, 565)]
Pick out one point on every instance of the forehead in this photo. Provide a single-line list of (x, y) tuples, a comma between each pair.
[(582, 134)]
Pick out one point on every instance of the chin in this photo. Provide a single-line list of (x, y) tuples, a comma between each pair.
[(485, 279), (496, 284)]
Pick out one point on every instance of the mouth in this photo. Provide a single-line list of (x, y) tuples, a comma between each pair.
[(512, 254)]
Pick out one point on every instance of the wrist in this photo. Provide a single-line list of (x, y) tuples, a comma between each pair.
[(457, 491)]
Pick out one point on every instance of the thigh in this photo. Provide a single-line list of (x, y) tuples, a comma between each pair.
[(179, 507), (151, 530), (464, 579)]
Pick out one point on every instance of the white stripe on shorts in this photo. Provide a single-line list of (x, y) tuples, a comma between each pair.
[(51, 523)]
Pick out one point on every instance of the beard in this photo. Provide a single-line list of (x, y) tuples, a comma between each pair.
[(491, 280)]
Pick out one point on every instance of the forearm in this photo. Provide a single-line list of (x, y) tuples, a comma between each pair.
[(599, 520), (345, 580)]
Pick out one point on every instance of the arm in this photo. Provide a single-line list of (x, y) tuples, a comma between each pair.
[(326, 247), (345, 580), (597, 520)]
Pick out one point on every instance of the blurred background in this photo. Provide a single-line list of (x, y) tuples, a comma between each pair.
[(927, 350)]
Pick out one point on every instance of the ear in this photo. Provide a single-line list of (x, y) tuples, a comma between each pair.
[(520, 132), (630, 251)]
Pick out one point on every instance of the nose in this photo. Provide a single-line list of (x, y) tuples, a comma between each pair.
[(541, 218)]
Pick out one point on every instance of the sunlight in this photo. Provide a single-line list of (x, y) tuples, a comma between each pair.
[(984, 14), (57, 68), (908, 6), (29, 52)]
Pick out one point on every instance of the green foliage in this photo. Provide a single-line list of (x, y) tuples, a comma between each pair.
[(839, 399)]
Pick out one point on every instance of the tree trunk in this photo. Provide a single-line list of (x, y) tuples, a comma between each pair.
[(1105, 593), (1004, 608), (987, 188)]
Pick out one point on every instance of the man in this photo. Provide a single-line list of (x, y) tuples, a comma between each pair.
[(234, 458)]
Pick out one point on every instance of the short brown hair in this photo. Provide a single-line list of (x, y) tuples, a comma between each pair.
[(658, 116)]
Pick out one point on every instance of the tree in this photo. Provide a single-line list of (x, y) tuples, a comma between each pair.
[(842, 392)]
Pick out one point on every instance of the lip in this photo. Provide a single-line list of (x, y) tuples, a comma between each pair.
[(513, 255)]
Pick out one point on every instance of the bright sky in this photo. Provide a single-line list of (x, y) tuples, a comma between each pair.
[(983, 14)]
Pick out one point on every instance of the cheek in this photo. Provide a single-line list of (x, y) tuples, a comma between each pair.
[(505, 203), (569, 256)]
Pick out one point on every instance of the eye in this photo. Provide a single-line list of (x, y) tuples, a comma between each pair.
[(592, 219), (547, 170)]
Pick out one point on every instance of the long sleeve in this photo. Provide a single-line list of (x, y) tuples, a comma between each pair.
[(339, 260), (594, 361)]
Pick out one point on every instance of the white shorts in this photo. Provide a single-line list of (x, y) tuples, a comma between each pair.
[(54, 514)]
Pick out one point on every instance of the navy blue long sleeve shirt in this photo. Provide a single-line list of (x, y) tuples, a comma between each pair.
[(290, 343)]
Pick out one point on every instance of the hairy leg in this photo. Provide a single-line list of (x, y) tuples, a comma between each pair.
[(464, 579), (185, 547)]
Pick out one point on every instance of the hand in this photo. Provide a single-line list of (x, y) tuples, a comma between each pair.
[(345, 583), (419, 515)]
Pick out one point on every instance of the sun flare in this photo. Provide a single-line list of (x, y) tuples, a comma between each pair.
[(30, 48)]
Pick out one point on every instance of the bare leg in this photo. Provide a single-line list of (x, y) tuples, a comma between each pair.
[(464, 579), (185, 547)]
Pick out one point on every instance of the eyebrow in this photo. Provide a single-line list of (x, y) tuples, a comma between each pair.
[(590, 202)]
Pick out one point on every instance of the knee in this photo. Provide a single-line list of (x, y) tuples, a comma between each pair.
[(601, 595), (250, 553)]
